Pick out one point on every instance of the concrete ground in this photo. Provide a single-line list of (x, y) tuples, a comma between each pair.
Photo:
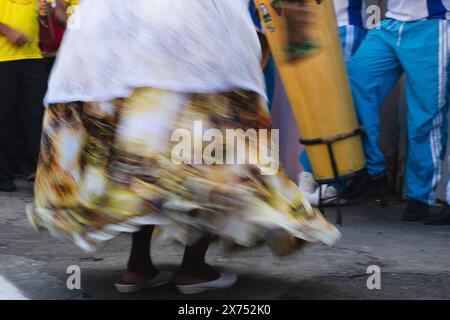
[(414, 261)]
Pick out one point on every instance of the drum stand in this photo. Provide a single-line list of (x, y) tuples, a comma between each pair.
[(329, 142)]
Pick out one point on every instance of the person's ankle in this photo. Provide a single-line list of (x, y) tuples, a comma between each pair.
[(199, 274), (141, 266), (139, 276)]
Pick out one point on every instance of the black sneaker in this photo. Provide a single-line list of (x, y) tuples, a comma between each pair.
[(366, 185), (440, 219), (7, 186), (415, 211)]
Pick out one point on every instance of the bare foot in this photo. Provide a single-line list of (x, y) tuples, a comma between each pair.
[(204, 274)]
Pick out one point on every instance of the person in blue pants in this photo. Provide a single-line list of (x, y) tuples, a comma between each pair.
[(350, 16), (414, 39)]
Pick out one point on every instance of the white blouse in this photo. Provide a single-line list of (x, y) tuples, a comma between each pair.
[(114, 46)]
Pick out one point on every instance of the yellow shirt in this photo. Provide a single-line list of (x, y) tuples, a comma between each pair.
[(21, 15), (72, 2), (72, 6)]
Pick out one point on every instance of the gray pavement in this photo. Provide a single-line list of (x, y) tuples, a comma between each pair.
[(414, 261)]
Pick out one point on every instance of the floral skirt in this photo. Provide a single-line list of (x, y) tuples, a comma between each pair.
[(112, 167)]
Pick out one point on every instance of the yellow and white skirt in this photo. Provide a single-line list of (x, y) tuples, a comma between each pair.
[(108, 167)]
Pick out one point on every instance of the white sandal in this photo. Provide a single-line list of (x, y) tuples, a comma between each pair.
[(161, 278), (225, 281)]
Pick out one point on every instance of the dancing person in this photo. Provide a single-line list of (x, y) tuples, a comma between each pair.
[(122, 150), (351, 16), (23, 81), (412, 40)]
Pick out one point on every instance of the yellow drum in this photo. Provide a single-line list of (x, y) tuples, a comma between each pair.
[(319, 92)]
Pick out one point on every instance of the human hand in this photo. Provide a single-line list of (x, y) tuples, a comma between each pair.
[(16, 37), (43, 8)]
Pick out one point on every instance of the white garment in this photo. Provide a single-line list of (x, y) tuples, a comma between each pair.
[(189, 46), (351, 12), (412, 10)]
